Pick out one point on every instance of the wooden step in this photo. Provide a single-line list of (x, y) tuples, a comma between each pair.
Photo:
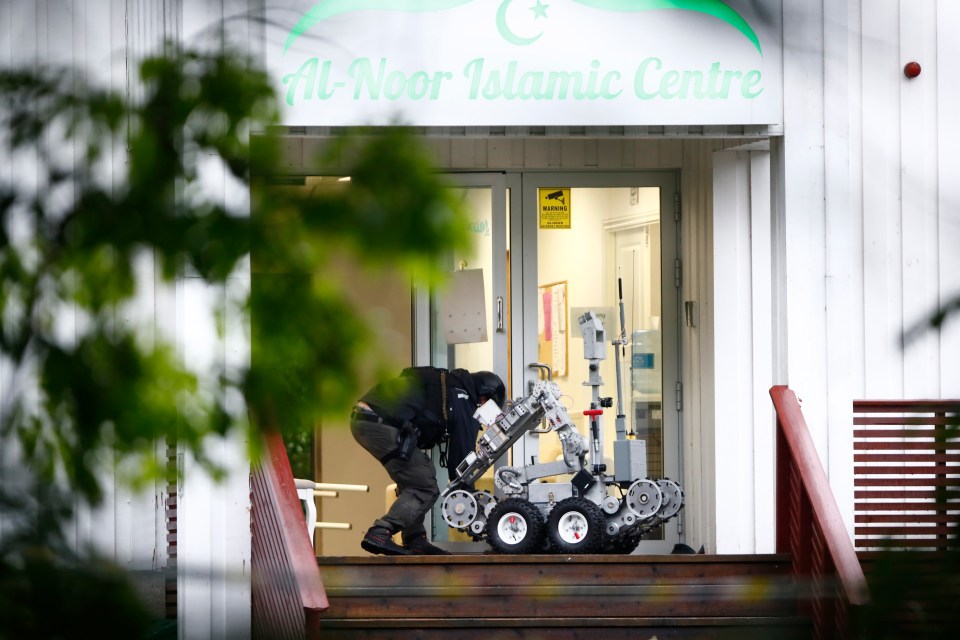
[(681, 596)]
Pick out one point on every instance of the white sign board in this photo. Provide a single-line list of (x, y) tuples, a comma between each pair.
[(463, 313), (526, 62)]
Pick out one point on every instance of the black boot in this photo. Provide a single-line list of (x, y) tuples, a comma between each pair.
[(378, 540), (420, 546)]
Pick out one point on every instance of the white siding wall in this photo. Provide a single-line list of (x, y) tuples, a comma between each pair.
[(906, 219), (743, 352), (947, 174), (213, 544), (106, 39), (839, 212), (904, 211), (865, 218), (92, 36)]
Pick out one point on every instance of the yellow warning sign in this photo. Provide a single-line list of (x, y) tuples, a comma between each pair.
[(554, 208)]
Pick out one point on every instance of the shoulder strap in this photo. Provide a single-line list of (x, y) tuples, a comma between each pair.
[(443, 391)]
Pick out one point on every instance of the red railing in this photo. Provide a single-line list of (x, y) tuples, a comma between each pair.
[(906, 474), (288, 595), (810, 528)]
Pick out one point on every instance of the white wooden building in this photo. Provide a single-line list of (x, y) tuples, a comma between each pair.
[(818, 215)]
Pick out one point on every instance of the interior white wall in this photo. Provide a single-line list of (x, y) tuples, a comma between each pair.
[(591, 284)]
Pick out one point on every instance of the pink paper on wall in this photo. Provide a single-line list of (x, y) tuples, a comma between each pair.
[(548, 315)]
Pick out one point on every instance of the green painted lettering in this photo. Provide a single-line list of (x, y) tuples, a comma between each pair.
[(361, 71), (531, 86), (714, 83), (511, 83), (750, 80), (713, 90), (606, 85), (418, 85), (639, 80), (728, 77), (307, 74), (558, 83), (667, 83), (422, 85), (696, 79), (474, 72), (395, 84), (509, 90), (322, 91)]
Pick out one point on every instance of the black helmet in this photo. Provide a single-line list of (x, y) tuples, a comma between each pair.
[(490, 385)]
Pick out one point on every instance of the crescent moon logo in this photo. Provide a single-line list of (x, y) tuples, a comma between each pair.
[(329, 8), (505, 31)]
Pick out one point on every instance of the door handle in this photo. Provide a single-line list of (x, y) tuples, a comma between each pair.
[(543, 367), (499, 314)]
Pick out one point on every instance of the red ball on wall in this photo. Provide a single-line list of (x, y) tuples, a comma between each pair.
[(911, 69)]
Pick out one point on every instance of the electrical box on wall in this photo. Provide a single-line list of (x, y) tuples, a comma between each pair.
[(463, 310)]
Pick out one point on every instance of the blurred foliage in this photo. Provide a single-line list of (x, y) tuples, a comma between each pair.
[(914, 594), (79, 243), (107, 202), (300, 451), (933, 322), (50, 590)]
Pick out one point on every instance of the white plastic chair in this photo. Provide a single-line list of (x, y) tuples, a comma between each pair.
[(308, 491)]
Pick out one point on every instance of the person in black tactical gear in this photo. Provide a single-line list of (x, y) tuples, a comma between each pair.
[(396, 421)]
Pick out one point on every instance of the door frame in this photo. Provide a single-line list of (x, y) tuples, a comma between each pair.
[(422, 344), (525, 314), (515, 211)]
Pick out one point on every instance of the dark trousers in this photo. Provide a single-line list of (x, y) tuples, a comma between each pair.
[(416, 480)]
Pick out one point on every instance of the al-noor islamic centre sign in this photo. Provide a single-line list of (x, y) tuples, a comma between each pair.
[(526, 62)]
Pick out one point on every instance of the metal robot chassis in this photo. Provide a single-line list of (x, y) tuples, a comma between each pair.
[(592, 512)]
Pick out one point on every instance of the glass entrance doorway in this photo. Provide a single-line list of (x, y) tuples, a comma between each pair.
[(552, 247)]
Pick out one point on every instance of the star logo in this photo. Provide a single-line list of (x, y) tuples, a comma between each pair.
[(539, 10)]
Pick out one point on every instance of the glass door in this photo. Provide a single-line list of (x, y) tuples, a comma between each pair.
[(587, 240), (469, 323), (548, 247)]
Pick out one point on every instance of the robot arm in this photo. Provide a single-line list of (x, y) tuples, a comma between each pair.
[(505, 429)]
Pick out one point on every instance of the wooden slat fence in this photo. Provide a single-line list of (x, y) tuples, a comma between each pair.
[(288, 595), (906, 474), (170, 516), (811, 529)]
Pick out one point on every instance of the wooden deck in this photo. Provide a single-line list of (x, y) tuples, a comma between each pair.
[(557, 596)]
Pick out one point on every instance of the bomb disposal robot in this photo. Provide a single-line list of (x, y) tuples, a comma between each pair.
[(592, 512)]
